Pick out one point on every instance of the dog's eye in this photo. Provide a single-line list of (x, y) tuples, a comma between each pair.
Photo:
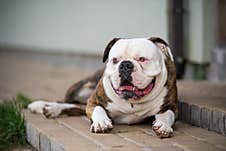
[(115, 60), (142, 59)]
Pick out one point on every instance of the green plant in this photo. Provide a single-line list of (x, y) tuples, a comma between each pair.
[(12, 127)]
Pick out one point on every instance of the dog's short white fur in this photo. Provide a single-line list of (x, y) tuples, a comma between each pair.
[(121, 110), (164, 121), (101, 122)]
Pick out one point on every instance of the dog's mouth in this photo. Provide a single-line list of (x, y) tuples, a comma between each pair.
[(128, 91)]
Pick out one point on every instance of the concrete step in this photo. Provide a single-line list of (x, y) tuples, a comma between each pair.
[(203, 104), (72, 133)]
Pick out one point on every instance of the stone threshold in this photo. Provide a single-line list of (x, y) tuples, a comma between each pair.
[(72, 133)]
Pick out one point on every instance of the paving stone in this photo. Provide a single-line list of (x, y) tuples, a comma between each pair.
[(61, 138), (195, 115), (202, 135), (142, 139), (225, 124), (182, 140), (32, 135), (67, 139), (186, 112), (187, 142), (164, 148), (56, 146), (206, 117), (80, 125), (179, 110), (217, 123), (45, 143), (222, 117)]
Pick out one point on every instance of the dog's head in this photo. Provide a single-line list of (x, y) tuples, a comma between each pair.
[(135, 67)]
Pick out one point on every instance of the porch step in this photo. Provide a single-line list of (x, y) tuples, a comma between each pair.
[(203, 104), (72, 133)]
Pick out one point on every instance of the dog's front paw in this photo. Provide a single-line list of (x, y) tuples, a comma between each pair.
[(101, 122), (162, 129), (101, 126), (52, 110)]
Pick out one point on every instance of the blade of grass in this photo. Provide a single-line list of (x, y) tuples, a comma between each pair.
[(12, 127)]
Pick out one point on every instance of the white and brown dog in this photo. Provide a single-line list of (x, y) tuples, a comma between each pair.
[(139, 81)]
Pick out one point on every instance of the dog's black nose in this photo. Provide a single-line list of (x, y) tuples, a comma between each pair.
[(126, 66), (125, 70)]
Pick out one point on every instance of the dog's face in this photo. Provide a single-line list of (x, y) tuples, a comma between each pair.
[(134, 67)]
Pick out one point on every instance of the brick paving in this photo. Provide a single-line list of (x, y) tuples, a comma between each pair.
[(201, 104), (72, 133)]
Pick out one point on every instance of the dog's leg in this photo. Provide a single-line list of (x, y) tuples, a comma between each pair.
[(101, 122), (162, 125), (95, 110), (54, 109)]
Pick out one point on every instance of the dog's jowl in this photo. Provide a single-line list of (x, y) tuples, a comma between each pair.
[(139, 81)]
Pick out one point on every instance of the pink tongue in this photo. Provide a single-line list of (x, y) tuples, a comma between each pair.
[(137, 91), (144, 91), (126, 87)]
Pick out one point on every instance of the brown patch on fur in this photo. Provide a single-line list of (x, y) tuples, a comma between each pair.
[(170, 100), (98, 97), (75, 111), (72, 95)]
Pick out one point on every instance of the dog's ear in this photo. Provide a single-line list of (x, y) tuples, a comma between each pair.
[(164, 47), (108, 48), (159, 42)]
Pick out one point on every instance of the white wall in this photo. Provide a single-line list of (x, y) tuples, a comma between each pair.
[(79, 25)]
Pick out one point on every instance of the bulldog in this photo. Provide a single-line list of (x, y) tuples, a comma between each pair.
[(138, 82)]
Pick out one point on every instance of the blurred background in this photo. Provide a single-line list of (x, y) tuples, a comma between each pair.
[(47, 45)]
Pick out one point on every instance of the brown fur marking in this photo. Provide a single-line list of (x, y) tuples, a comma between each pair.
[(75, 111), (170, 100), (98, 97)]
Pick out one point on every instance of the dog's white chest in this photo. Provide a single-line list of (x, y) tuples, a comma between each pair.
[(126, 113)]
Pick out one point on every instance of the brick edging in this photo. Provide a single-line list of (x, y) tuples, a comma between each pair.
[(40, 141), (212, 119)]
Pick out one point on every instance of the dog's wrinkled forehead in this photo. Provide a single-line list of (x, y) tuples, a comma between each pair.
[(130, 47), (134, 47)]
